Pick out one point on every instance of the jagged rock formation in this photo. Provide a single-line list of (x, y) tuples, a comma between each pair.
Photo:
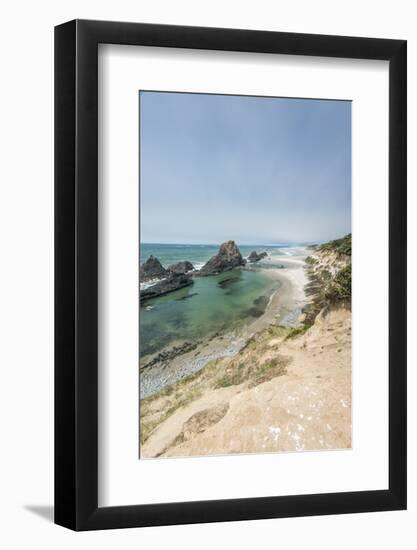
[(227, 258), (181, 267), (151, 269), (255, 257), (173, 282)]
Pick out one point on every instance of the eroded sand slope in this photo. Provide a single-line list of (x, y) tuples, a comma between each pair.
[(280, 393)]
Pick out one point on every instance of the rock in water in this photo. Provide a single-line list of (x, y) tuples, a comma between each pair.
[(227, 258), (173, 282), (255, 257), (151, 269), (181, 267)]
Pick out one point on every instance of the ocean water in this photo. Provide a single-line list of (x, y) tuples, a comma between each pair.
[(198, 254), (212, 305)]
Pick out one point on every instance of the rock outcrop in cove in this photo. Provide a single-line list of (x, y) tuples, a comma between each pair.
[(181, 267), (255, 257), (227, 258), (152, 269), (173, 282)]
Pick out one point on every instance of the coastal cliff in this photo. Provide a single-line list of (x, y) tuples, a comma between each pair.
[(287, 389)]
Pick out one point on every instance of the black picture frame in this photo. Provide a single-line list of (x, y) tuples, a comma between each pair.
[(76, 272)]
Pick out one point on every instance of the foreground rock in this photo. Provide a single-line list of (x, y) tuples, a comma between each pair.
[(227, 258), (255, 257), (152, 269), (181, 267), (169, 354), (173, 282)]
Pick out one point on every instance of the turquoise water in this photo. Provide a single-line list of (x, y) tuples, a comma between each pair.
[(212, 305)]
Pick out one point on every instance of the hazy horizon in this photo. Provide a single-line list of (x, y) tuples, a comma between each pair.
[(263, 171), (240, 243)]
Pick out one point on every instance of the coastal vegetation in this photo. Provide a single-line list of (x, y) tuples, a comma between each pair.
[(329, 270), (342, 247)]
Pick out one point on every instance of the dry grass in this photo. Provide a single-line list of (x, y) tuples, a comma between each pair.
[(219, 373)]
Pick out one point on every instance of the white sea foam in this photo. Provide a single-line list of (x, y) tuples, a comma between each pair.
[(295, 251), (150, 283)]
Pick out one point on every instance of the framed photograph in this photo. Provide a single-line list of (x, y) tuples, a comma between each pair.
[(230, 254)]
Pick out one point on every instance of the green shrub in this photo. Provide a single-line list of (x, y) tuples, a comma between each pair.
[(340, 289), (342, 246), (297, 331)]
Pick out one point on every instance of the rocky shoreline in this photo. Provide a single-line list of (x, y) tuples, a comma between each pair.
[(173, 282), (182, 359)]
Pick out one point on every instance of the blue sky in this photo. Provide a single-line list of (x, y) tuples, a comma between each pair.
[(256, 170)]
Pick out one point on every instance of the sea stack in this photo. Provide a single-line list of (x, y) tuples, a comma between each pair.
[(181, 267), (152, 269), (227, 258), (255, 257)]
